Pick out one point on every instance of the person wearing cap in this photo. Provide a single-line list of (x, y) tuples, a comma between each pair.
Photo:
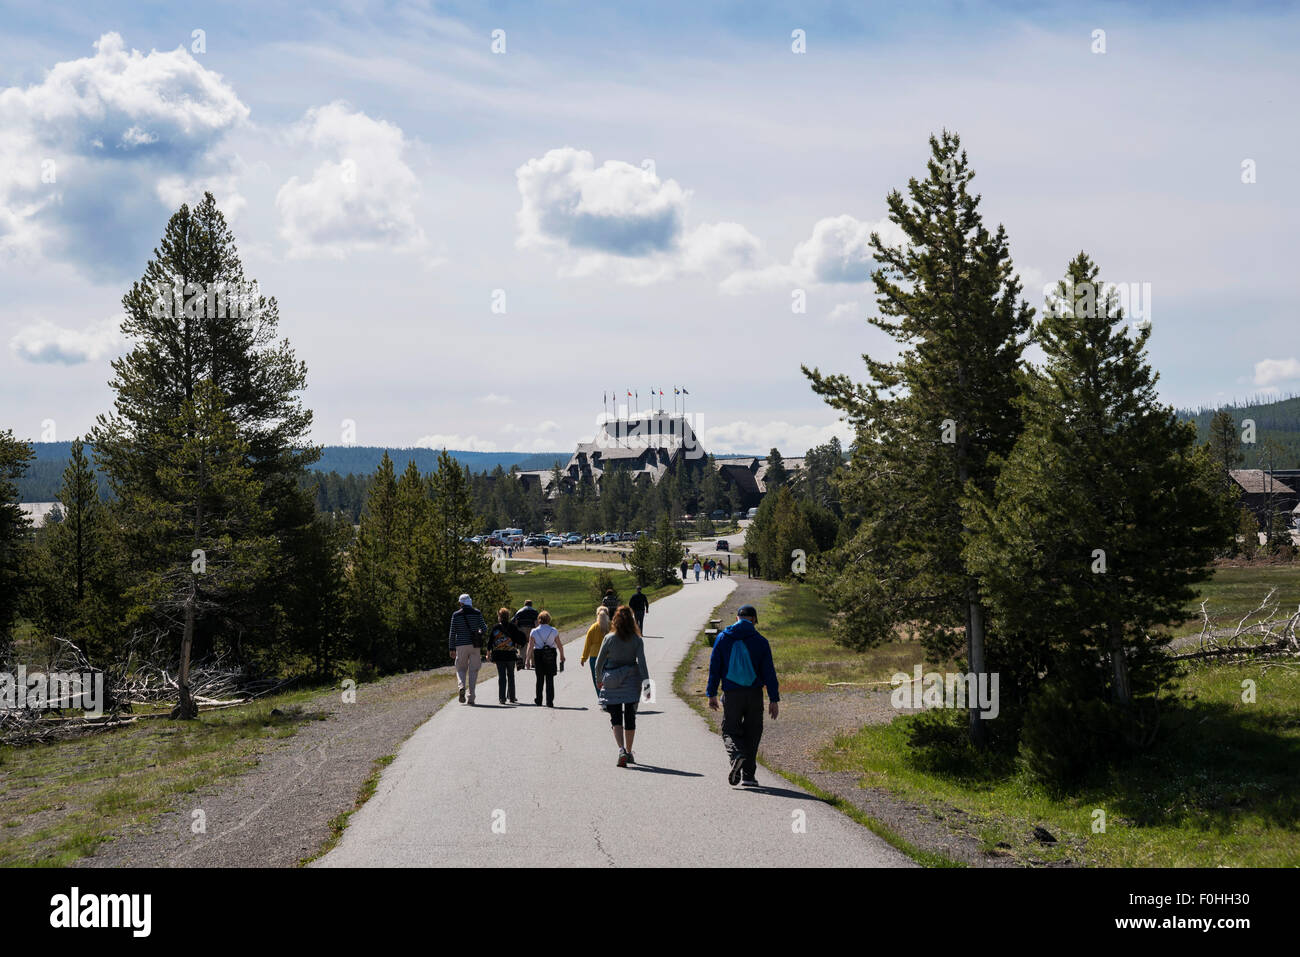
[(465, 644), (742, 664)]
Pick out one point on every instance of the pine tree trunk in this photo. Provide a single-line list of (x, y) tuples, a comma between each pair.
[(975, 652), (186, 709), (1119, 664)]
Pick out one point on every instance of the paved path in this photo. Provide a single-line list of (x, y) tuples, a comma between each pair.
[(547, 778)]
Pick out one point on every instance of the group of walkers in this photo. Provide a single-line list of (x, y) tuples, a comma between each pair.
[(710, 568), (740, 666), (526, 639)]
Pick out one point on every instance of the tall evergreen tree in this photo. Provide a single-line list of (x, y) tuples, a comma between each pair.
[(76, 561), (932, 424), (1224, 442), (1103, 518), (14, 528), (776, 475), (198, 325)]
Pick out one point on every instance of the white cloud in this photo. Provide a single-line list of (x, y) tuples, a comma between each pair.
[(458, 443), (845, 312), (83, 150), (838, 251), (759, 437), (1269, 371), (361, 193), (45, 343), (621, 220), (493, 399)]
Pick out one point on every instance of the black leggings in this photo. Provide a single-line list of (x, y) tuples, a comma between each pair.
[(623, 715)]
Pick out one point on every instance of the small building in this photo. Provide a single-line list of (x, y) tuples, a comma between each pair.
[(1265, 494)]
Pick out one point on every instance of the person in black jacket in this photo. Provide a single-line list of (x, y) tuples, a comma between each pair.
[(639, 604), (503, 643), (610, 601), (525, 620)]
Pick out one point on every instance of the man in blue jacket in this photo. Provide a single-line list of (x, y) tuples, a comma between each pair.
[(742, 663)]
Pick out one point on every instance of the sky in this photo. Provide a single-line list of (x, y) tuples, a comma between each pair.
[(479, 220)]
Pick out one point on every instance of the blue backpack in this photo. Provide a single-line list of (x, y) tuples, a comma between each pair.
[(740, 669)]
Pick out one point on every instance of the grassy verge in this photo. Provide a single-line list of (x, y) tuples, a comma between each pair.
[(59, 801), (1236, 590), (797, 625), (565, 590), (340, 823), (1217, 789)]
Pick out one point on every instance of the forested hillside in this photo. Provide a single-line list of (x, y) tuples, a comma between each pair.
[(1277, 427)]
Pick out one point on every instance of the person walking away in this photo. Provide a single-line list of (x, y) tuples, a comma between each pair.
[(525, 620), (465, 644), (545, 650), (639, 604), (697, 569), (742, 663), (503, 644), (610, 601), (591, 647), (622, 668)]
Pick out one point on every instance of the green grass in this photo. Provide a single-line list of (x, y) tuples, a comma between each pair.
[(339, 824), (1219, 787), (1236, 590), (797, 625), (59, 801), (565, 590)]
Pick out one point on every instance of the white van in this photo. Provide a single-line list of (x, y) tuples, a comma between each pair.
[(751, 513)]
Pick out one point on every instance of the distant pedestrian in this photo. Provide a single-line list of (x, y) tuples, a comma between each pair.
[(525, 620), (685, 569), (465, 644), (622, 669), (545, 655), (742, 663), (698, 568), (503, 644), (639, 604), (591, 647), (610, 601)]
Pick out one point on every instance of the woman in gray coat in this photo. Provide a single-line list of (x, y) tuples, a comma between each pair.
[(621, 670)]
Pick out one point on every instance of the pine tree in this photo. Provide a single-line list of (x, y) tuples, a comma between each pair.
[(75, 560), (931, 425), (776, 475), (206, 520), (14, 529), (1103, 517), (196, 321), (1224, 442)]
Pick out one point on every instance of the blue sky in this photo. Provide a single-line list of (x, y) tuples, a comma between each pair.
[(642, 187)]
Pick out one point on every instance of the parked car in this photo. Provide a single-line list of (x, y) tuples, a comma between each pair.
[(642, 533), (717, 514), (573, 538), (723, 546), (751, 513), (536, 541), (494, 542), (626, 537), (556, 542), (611, 537)]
